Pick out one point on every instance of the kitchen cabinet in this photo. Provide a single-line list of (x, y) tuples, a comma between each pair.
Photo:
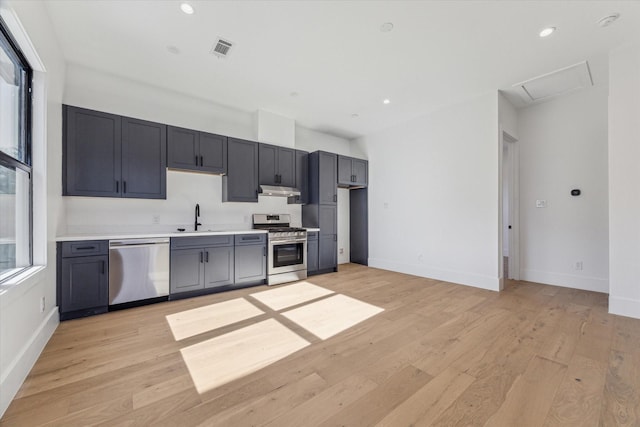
[(352, 172), (83, 279), (196, 151), (312, 253), (105, 155), (250, 259), (200, 263), (302, 178), (327, 253), (240, 184), (358, 226), (277, 165), (321, 211)]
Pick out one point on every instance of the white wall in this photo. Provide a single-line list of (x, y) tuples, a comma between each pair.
[(563, 145), (24, 329), (433, 194), (624, 178)]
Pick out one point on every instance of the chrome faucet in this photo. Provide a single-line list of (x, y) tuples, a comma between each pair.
[(197, 215)]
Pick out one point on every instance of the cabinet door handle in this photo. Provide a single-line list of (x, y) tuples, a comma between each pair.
[(207, 258), (335, 237), (335, 197), (196, 160), (201, 257), (103, 264), (117, 186), (264, 251), (124, 186), (256, 194), (85, 248), (201, 160)]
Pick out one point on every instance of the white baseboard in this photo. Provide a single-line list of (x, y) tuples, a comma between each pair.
[(624, 307), (585, 283), (20, 367), (461, 278)]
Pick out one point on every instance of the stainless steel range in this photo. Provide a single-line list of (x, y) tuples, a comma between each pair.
[(287, 260)]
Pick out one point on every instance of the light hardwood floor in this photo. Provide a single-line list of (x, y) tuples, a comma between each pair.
[(439, 354)]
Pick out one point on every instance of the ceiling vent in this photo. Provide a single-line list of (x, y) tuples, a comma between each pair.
[(556, 83), (222, 48)]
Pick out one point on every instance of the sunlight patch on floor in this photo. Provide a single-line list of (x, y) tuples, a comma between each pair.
[(222, 359), (210, 317), (288, 296), (331, 316)]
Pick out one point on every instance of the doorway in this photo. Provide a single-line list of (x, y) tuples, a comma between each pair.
[(510, 256)]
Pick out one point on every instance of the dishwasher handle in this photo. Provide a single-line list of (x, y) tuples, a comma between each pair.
[(137, 242)]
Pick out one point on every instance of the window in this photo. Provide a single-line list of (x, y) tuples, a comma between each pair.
[(15, 158)]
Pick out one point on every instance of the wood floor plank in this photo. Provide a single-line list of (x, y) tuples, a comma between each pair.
[(439, 354), (426, 404), (530, 398), (577, 402)]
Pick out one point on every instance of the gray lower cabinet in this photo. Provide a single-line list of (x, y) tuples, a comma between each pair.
[(240, 184), (327, 252), (250, 259), (199, 263), (312, 252), (83, 278)]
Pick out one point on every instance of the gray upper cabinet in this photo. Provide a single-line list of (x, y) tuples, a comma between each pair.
[(144, 159), (302, 178), (323, 171), (240, 184), (105, 155), (277, 165), (197, 151), (91, 153), (352, 172)]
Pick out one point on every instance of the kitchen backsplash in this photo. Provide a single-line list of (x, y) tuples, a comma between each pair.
[(87, 215)]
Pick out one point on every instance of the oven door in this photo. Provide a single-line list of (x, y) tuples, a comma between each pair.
[(286, 256)]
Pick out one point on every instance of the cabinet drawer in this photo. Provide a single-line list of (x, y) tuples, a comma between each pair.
[(201, 242), (312, 235), (250, 239), (85, 248)]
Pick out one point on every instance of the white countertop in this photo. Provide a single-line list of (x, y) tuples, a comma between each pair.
[(105, 236)]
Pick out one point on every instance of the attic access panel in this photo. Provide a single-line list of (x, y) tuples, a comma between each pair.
[(556, 83)]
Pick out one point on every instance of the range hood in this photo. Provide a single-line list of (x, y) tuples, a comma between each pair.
[(271, 190)]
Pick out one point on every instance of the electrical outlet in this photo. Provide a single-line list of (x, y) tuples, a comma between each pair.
[(541, 203), (156, 219), (42, 305), (578, 265), (341, 251)]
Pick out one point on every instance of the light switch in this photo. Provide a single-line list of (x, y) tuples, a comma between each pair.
[(541, 203)]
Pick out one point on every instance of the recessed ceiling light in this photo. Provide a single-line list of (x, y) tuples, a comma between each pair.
[(386, 101), (173, 49), (386, 27), (187, 8), (608, 20), (355, 115), (547, 31), (294, 94)]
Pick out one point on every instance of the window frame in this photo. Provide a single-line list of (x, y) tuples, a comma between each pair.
[(12, 50)]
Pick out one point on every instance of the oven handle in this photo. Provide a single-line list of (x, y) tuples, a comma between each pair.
[(286, 242)]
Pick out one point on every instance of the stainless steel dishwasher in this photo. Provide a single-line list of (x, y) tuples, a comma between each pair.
[(138, 269)]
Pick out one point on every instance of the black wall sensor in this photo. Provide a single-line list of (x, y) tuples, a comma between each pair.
[(575, 192)]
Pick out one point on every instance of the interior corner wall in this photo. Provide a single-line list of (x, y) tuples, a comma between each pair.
[(563, 146), (624, 176), (24, 327), (433, 194)]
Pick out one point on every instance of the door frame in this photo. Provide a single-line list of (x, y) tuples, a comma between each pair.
[(513, 177)]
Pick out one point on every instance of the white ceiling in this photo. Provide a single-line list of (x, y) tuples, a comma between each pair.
[(333, 53)]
